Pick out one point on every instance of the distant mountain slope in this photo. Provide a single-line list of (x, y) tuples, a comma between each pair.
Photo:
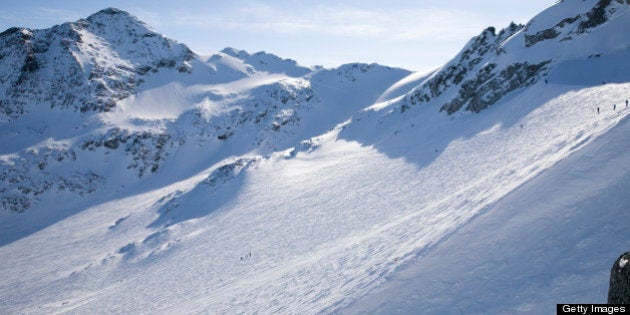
[(90, 104)]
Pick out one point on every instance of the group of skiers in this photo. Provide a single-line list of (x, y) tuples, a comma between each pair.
[(247, 256), (614, 106)]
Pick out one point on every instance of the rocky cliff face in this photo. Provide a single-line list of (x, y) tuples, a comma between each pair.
[(619, 291)]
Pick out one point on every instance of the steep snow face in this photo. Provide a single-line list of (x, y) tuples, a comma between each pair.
[(552, 239)]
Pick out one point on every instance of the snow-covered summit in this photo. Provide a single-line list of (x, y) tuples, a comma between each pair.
[(116, 16), (263, 61), (134, 41), (86, 65)]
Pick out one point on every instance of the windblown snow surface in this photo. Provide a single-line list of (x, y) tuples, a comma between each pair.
[(379, 210)]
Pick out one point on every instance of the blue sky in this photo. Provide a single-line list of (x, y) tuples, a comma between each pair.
[(417, 35)]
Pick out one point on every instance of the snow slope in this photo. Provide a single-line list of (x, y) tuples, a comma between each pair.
[(314, 247), (552, 240), (250, 184)]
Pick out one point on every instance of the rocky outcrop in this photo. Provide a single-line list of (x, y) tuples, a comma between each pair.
[(146, 149), (469, 70), (595, 17), (569, 27), (477, 80), (478, 49), (489, 85), (229, 171), (271, 111), (619, 290)]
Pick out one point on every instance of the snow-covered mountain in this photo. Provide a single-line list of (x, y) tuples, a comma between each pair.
[(138, 176), (109, 97)]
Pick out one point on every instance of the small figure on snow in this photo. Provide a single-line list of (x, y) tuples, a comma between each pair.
[(614, 106), (598, 110), (247, 256), (626, 103)]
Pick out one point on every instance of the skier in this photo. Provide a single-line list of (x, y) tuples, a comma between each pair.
[(597, 110), (626, 103), (614, 106)]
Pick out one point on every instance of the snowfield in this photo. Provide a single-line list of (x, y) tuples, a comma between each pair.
[(551, 240), (274, 188), (326, 226)]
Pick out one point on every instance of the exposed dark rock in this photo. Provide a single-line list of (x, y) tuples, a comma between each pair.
[(275, 126), (30, 64), (619, 290), (23, 187), (15, 203), (465, 64), (9, 32), (549, 33), (596, 17), (570, 20), (111, 11), (229, 171), (224, 136), (488, 87), (304, 146), (146, 149)]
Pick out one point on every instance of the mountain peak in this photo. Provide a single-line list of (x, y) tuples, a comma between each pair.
[(109, 12), (118, 19), (237, 53), (264, 61), (94, 62)]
